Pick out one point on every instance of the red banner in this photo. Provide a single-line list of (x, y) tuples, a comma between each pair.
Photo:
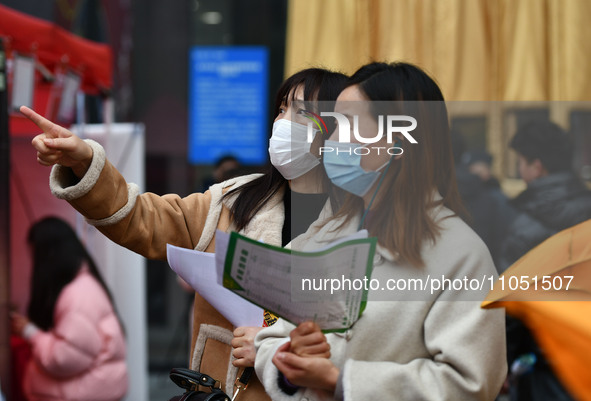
[(53, 45)]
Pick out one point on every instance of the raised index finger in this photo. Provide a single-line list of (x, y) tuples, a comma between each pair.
[(47, 126)]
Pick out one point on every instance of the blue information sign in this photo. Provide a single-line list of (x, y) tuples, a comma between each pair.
[(228, 103)]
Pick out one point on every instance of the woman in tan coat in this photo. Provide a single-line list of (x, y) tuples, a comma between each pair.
[(259, 206)]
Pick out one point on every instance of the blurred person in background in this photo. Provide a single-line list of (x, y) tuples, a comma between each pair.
[(259, 206), (225, 167), (479, 163), (490, 213), (76, 337), (555, 198)]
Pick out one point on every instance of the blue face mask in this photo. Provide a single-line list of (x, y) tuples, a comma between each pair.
[(343, 167)]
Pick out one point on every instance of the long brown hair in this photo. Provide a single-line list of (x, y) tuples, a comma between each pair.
[(401, 217)]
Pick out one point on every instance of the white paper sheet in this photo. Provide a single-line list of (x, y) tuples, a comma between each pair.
[(198, 270)]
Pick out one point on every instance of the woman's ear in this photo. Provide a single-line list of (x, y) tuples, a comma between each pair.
[(399, 151), (317, 142)]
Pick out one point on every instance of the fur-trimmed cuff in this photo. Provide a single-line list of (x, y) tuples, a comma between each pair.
[(269, 374), (339, 392), (344, 386), (62, 181), (132, 193)]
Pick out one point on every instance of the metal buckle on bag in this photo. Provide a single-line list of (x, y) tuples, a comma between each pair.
[(239, 386), (216, 383), (193, 385), (189, 384)]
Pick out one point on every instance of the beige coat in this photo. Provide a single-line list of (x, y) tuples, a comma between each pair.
[(410, 345), (145, 223)]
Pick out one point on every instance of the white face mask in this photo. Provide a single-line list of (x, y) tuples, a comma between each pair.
[(289, 149)]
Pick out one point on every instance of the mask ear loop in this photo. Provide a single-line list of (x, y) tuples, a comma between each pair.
[(397, 144)]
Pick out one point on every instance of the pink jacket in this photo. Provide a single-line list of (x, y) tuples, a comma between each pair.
[(83, 356)]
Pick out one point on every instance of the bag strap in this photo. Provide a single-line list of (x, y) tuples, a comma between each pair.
[(241, 382), (191, 380), (246, 375)]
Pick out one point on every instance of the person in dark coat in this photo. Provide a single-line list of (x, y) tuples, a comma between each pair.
[(554, 200), (489, 213), (479, 163)]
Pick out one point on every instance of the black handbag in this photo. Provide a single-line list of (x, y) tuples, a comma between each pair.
[(190, 380)]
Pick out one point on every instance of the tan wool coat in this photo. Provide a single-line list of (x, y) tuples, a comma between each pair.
[(145, 223)]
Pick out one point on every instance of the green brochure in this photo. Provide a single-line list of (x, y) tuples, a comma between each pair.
[(328, 286)]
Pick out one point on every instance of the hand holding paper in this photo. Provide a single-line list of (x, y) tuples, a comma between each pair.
[(290, 284)]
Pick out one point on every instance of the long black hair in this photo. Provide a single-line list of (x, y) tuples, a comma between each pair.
[(58, 256), (319, 85)]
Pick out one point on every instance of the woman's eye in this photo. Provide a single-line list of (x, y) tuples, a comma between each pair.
[(302, 111)]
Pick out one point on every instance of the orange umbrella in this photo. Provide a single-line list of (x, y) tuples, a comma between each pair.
[(549, 290)]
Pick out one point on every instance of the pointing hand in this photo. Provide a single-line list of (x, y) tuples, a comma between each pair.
[(57, 145)]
